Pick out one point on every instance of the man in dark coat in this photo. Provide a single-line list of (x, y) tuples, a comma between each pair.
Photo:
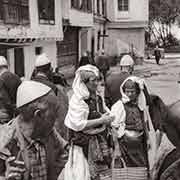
[(44, 74), (9, 83), (102, 64), (114, 80)]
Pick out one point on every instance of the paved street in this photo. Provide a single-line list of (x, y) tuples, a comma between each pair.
[(162, 79)]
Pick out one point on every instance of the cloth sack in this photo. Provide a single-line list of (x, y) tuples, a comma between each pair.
[(76, 167)]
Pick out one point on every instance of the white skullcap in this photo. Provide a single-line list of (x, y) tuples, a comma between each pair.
[(29, 91), (3, 61), (42, 60), (126, 61)]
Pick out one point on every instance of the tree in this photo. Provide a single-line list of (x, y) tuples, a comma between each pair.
[(162, 15)]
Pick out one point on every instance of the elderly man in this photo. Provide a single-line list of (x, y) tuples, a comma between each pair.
[(30, 147), (9, 83)]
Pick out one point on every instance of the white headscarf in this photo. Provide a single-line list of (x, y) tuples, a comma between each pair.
[(78, 85), (76, 118)]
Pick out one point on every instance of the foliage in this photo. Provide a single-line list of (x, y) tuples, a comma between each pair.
[(162, 15)]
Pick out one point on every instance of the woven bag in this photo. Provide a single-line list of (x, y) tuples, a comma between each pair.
[(128, 173)]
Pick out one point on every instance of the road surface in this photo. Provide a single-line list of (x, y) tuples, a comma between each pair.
[(162, 79)]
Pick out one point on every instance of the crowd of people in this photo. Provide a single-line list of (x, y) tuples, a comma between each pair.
[(46, 136)]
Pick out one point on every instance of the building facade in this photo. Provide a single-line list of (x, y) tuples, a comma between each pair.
[(65, 29), (28, 28), (126, 26), (77, 22)]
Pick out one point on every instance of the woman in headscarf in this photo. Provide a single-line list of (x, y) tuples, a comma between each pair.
[(132, 125), (88, 122)]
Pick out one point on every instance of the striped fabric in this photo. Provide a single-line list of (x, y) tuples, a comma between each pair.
[(37, 157), (130, 173)]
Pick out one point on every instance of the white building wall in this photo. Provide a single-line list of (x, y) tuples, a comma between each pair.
[(35, 30), (138, 11), (81, 19), (65, 8), (39, 30), (10, 59), (127, 38)]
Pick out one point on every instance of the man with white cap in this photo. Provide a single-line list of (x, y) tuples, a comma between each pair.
[(9, 83), (115, 79), (44, 75), (44, 71), (30, 147)]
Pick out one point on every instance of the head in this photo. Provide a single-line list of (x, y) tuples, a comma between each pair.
[(131, 90), (43, 64), (37, 105), (90, 79), (3, 62), (127, 64), (85, 81)]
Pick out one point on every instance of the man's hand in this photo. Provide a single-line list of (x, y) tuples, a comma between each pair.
[(14, 169)]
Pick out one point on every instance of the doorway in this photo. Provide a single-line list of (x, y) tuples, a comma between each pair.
[(19, 61)]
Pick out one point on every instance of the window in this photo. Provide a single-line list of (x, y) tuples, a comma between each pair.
[(38, 50), (123, 5), (14, 12), (83, 5), (98, 6), (46, 11), (103, 8), (98, 40)]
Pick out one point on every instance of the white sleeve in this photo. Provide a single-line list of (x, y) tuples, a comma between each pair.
[(76, 118), (119, 122)]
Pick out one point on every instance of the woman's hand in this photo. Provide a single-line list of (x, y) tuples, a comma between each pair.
[(14, 169), (107, 118)]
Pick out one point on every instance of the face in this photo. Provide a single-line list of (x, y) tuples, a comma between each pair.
[(92, 84), (45, 117), (131, 93)]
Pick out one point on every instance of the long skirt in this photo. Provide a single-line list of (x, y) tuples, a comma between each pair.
[(134, 151)]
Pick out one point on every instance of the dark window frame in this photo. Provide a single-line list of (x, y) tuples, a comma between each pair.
[(123, 5), (46, 12), (15, 12), (103, 8), (98, 7)]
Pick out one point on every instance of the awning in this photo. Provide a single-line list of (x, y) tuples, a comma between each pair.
[(11, 43), (7, 43)]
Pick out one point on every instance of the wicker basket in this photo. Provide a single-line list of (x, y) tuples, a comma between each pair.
[(129, 173)]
